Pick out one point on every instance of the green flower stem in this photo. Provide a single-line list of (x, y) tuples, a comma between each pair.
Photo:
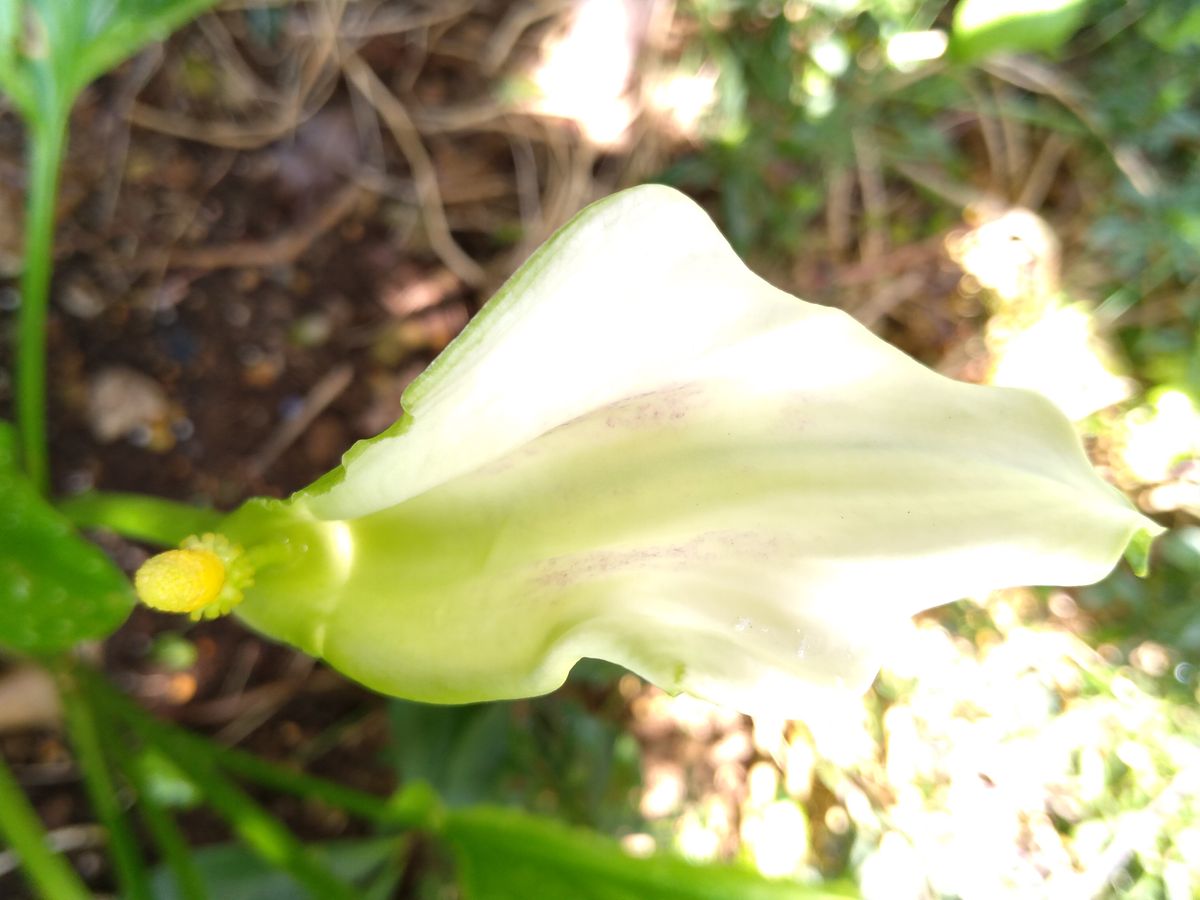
[(139, 516), (415, 806), (123, 845), (47, 139), (260, 831), (48, 873), (166, 835), (173, 846)]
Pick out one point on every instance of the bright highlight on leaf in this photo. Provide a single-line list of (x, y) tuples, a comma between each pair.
[(986, 27), (641, 451)]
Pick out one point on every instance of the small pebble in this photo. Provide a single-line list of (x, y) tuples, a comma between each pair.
[(81, 298), (123, 402)]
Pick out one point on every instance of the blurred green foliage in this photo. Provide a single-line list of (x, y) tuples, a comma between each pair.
[(813, 97), (1143, 87), (551, 755), (1164, 607), (985, 27), (797, 81), (373, 865), (792, 90), (509, 855), (51, 49), (57, 588)]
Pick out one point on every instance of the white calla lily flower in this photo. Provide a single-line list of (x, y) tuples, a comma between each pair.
[(641, 451)]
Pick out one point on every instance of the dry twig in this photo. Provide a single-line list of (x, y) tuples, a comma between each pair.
[(67, 839), (1033, 76), (313, 86), (517, 20), (283, 249), (837, 211), (874, 193), (993, 137), (936, 183), (1012, 129), (1041, 173), (396, 118), (323, 393), (380, 23)]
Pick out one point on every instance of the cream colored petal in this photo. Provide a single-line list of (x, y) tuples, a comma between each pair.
[(643, 452), (632, 294), (742, 541)]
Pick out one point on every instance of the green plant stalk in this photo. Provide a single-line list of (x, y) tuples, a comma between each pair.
[(413, 807), (139, 516), (47, 139), (123, 845), (260, 831), (48, 873), (174, 848), (167, 837)]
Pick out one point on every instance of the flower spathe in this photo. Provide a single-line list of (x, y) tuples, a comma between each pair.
[(640, 451)]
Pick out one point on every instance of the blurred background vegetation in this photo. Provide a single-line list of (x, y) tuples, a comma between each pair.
[(290, 207)]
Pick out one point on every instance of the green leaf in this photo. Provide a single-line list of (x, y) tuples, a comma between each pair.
[(55, 587), (10, 30), (509, 855), (1175, 27), (8, 447), (550, 754), (230, 870), (51, 49), (459, 750), (986, 27), (1137, 554)]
